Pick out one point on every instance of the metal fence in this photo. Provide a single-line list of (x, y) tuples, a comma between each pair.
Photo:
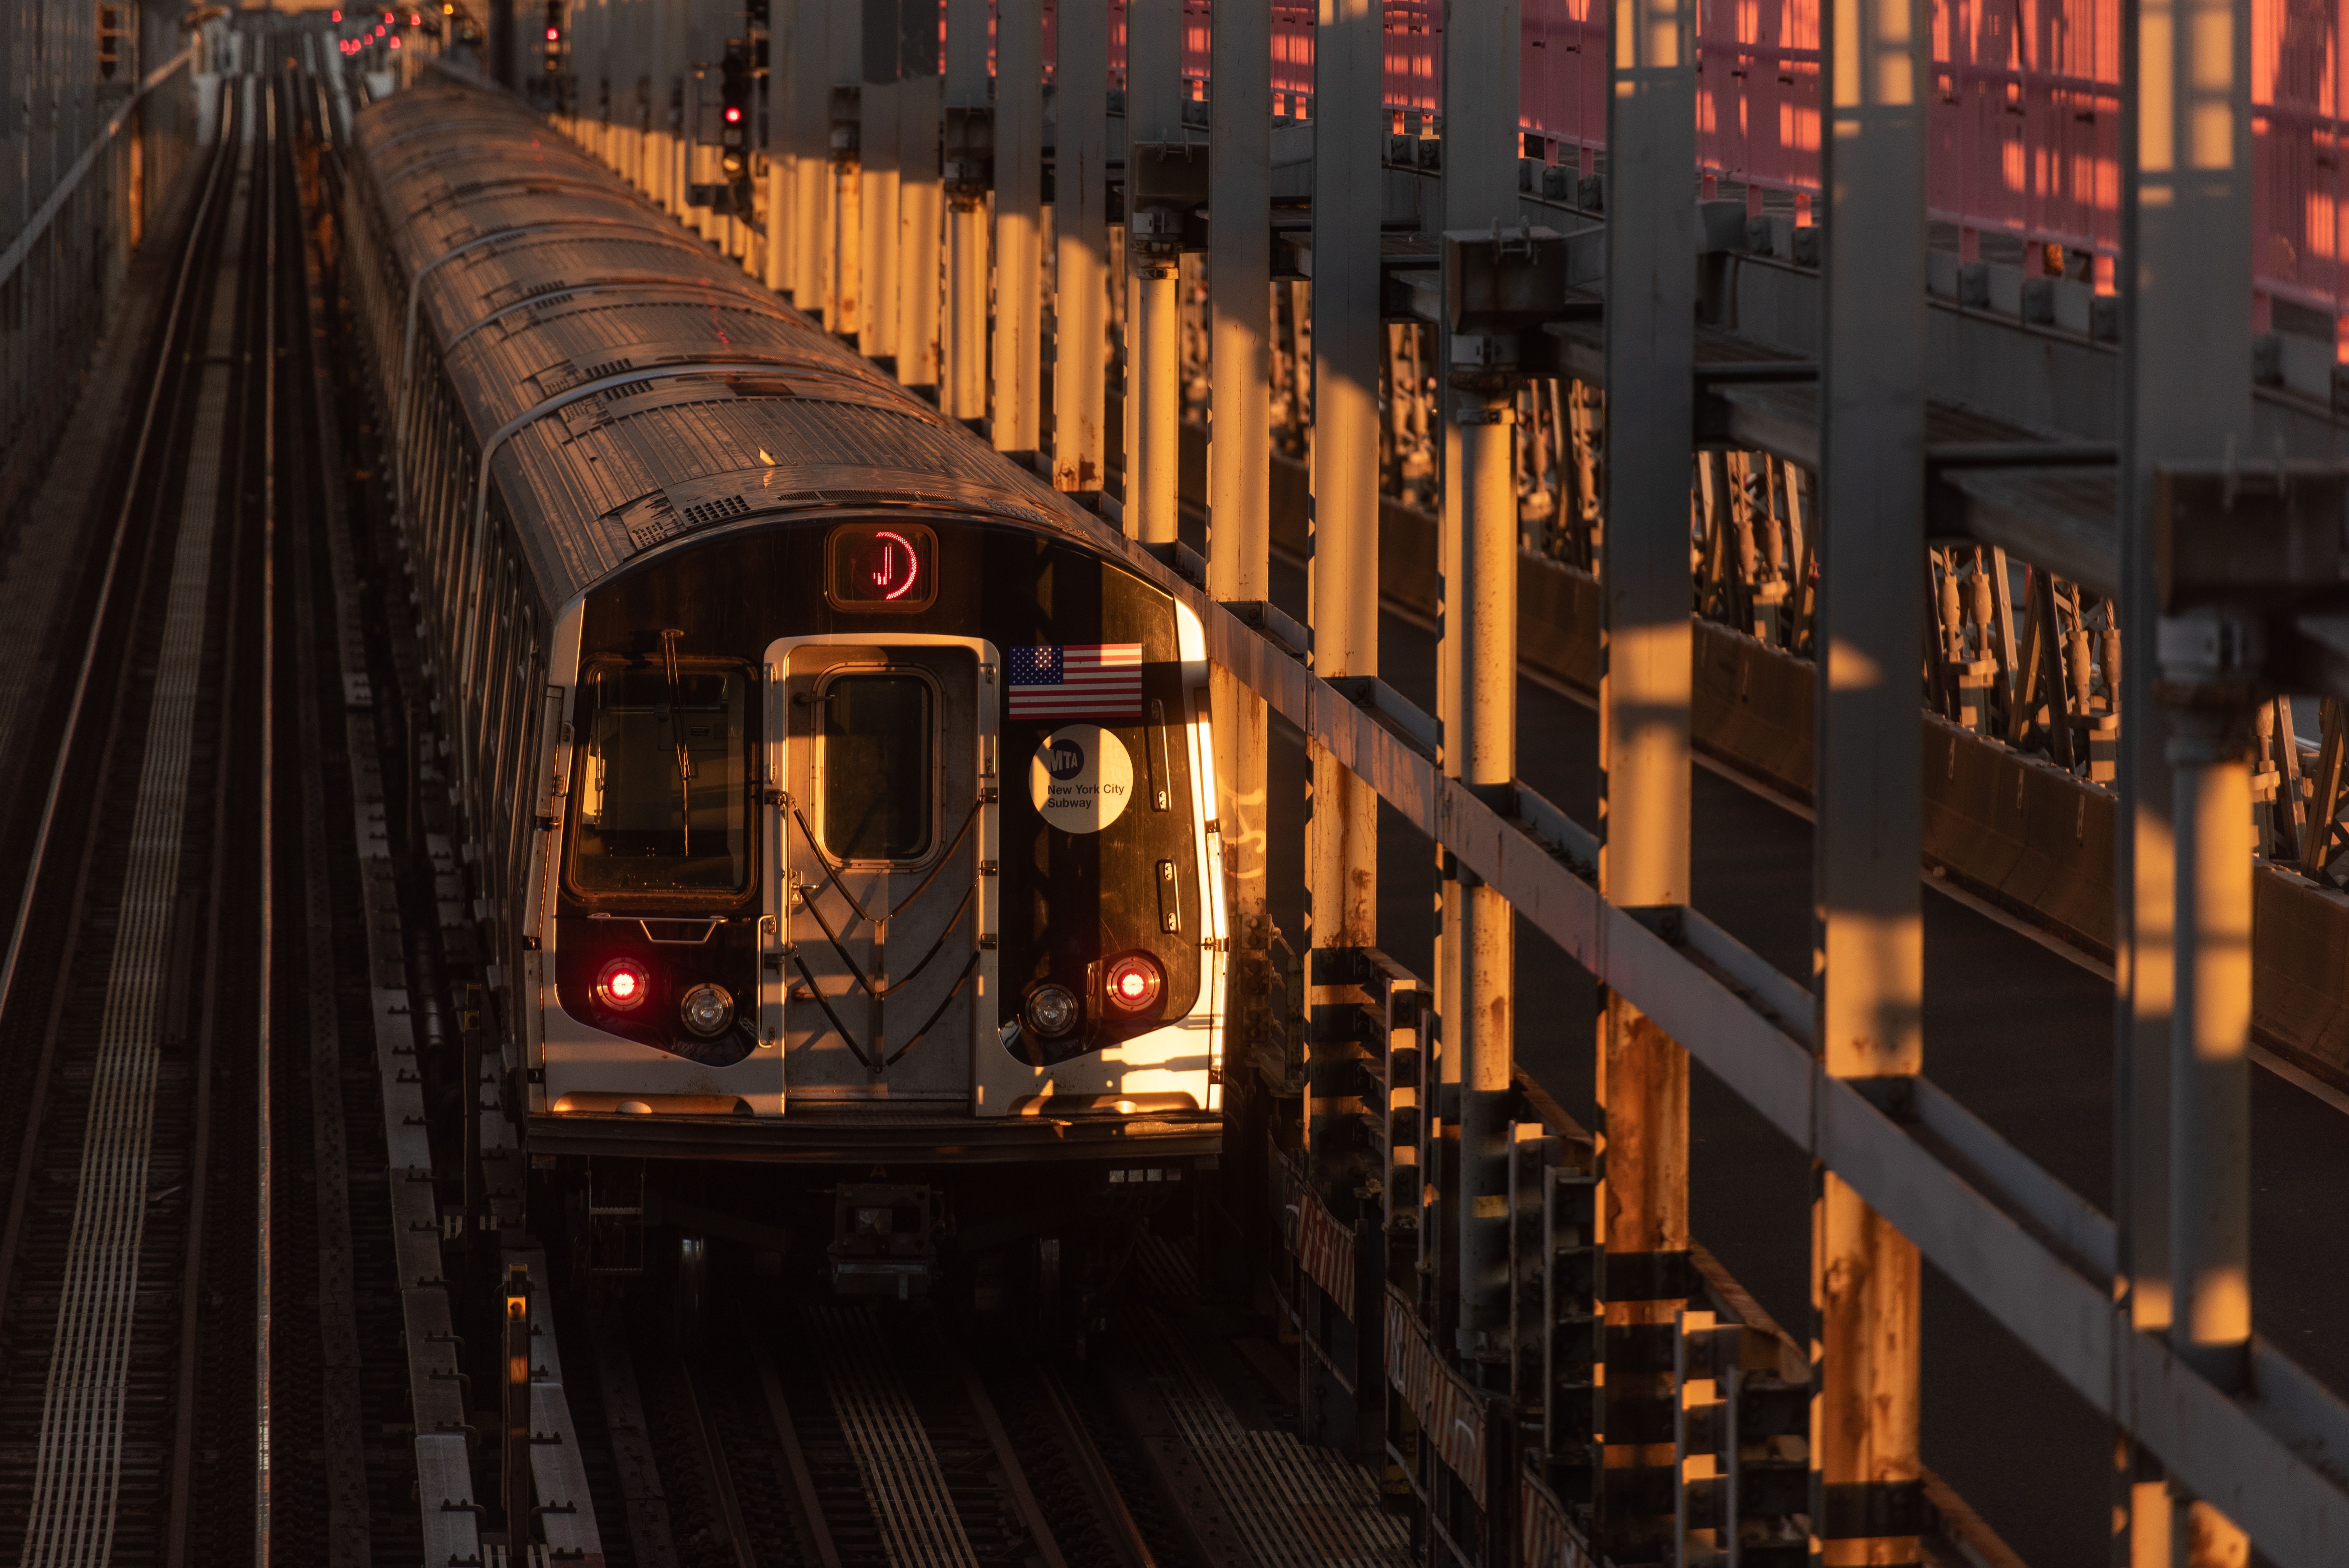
[(101, 117)]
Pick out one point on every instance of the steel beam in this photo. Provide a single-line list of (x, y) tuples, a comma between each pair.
[(876, 181), (1866, 1274), (1643, 721), (1015, 423), (1081, 232), (844, 225), (2186, 395), (920, 123), (781, 256), (962, 388), (1153, 349), (1341, 831), (1479, 699), (811, 122), (1239, 473)]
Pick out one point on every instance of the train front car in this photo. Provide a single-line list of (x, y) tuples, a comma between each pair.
[(888, 829), (863, 900)]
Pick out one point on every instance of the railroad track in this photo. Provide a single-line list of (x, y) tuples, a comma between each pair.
[(127, 1390), (175, 1131), (833, 1434)]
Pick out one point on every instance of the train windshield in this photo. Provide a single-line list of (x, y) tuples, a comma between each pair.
[(664, 781)]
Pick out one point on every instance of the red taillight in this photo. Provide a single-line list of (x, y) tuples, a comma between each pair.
[(623, 984), (734, 115), (553, 34), (1132, 984)]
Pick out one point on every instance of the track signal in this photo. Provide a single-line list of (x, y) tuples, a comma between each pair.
[(737, 104)]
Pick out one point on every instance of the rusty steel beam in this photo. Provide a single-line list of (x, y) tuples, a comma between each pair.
[(1341, 860), (1239, 479), (1480, 628), (1644, 687), (1866, 1276)]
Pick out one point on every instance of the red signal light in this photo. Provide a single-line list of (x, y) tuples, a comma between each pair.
[(395, 42), (623, 984), (1134, 984), (339, 16), (553, 34), (734, 115)]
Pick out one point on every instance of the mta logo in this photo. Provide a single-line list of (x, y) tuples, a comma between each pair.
[(1067, 761)]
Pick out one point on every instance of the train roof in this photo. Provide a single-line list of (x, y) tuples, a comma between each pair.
[(634, 384)]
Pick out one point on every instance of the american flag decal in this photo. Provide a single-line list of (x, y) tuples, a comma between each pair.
[(1096, 680)]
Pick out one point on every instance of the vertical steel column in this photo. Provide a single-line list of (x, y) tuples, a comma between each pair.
[(1080, 226), (1865, 1275), (811, 122), (1015, 422), (877, 153), (1479, 699), (783, 187), (1239, 465), (2182, 989), (920, 107), (1154, 358), (676, 69), (845, 288), (1341, 850), (962, 382), (1643, 709)]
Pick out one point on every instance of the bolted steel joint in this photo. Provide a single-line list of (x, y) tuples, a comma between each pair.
[(2213, 658), (1155, 236), (1486, 362)]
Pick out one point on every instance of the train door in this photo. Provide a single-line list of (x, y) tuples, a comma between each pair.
[(882, 888)]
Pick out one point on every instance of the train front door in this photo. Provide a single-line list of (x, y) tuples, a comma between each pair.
[(882, 834)]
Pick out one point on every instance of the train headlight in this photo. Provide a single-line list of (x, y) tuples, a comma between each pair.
[(1051, 1010), (624, 984), (1132, 984), (705, 1009)]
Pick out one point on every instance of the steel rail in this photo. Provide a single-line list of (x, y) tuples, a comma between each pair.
[(722, 1477), (183, 1436), (1092, 1473), (1015, 1476), (807, 1508), (265, 1218)]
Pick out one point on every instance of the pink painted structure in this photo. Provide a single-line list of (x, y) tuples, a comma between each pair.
[(2026, 112)]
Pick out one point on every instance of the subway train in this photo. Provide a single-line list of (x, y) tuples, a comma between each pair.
[(840, 809)]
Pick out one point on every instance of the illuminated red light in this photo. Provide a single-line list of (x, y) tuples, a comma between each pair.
[(339, 16), (1134, 984), (395, 42), (623, 984), (734, 115), (553, 34)]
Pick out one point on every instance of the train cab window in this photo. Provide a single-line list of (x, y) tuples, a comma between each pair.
[(665, 781), (878, 758)]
